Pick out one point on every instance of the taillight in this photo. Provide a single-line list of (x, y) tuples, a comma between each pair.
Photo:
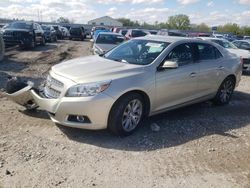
[(241, 60)]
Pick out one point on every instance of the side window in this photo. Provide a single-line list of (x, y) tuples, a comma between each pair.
[(206, 52), (217, 53), (237, 43), (181, 54), (245, 45)]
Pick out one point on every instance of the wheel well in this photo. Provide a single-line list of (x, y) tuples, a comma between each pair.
[(146, 99), (233, 77)]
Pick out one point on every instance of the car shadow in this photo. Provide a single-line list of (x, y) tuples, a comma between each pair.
[(47, 47), (176, 127), (36, 113), (11, 65)]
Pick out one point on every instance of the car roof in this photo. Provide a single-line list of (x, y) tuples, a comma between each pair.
[(163, 38), (211, 38)]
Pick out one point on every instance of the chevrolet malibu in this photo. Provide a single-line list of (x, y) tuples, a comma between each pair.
[(139, 78)]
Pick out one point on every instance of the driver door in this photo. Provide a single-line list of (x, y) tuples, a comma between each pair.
[(180, 85)]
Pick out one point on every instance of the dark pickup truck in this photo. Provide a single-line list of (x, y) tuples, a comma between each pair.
[(25, 34)]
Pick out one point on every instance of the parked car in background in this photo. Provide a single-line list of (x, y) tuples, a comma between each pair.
[(77, 33), (25, 34), (49, 33), (117, 29), (133, 33), (96, 33), (195, 34), (139, 78), (218, 36), (59, 34), (2, 47), (65, 32), (96, 28), (244, 54), (246, 37), (105, 41), (153, 32), (167, 32), (242, 44), (123, 32)]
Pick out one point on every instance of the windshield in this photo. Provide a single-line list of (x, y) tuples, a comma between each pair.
[(109, 39), (225, 43), (20, 25), (140, 52)]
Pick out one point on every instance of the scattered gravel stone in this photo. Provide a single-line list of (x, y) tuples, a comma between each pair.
[(155, 127)]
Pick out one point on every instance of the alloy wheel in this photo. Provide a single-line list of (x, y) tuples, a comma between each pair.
[(226, 90), (132, 115)]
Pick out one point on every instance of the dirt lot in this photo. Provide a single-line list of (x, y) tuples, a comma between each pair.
[(198, 146)]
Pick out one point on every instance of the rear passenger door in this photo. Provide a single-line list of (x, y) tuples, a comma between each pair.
[(210, 68)]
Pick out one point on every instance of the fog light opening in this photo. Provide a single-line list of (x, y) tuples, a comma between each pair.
[(78, 119), (81, 119)]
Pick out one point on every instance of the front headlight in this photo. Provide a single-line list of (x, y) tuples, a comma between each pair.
[(86, 90)]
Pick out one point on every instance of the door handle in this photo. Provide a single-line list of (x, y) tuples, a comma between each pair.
[(220, 68), (193, 74)]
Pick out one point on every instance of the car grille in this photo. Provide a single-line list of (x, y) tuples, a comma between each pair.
[(53, 88), (15, 34), (246, 61)]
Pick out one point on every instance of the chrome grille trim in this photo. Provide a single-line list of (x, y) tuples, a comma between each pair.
[(53, 87)]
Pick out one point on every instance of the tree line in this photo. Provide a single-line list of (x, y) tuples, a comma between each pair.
[(182, 22)]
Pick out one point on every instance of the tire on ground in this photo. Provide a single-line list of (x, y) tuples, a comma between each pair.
[(116, 113), (218, 99)]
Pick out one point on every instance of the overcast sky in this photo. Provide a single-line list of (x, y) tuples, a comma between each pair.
[(212, 12)]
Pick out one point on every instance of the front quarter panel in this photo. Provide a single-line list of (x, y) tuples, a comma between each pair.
[(143, 80)]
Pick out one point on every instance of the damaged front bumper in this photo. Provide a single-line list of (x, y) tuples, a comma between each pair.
[(79, 112)]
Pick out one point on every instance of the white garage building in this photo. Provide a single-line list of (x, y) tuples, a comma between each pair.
[(105, 20)]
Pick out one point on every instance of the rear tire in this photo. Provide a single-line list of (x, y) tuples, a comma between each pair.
[(126, 114), (225, 91)]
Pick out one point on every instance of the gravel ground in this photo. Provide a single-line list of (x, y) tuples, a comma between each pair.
[(198, 146)]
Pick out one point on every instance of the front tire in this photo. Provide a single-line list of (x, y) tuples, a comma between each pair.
[(126, 114), (225, 91)]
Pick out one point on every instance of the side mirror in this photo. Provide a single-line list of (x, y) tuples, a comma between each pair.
[(170, 65)]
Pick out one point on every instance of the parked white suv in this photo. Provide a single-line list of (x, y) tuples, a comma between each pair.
[(141, 77)]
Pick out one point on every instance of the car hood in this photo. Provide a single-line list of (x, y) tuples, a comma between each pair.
[(105, 47), (95, 68), (240, 52)]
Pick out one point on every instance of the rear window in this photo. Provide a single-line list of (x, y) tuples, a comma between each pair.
[(208, 52), (109, 39)]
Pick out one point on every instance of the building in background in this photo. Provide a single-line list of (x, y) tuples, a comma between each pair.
[(105, 21)]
